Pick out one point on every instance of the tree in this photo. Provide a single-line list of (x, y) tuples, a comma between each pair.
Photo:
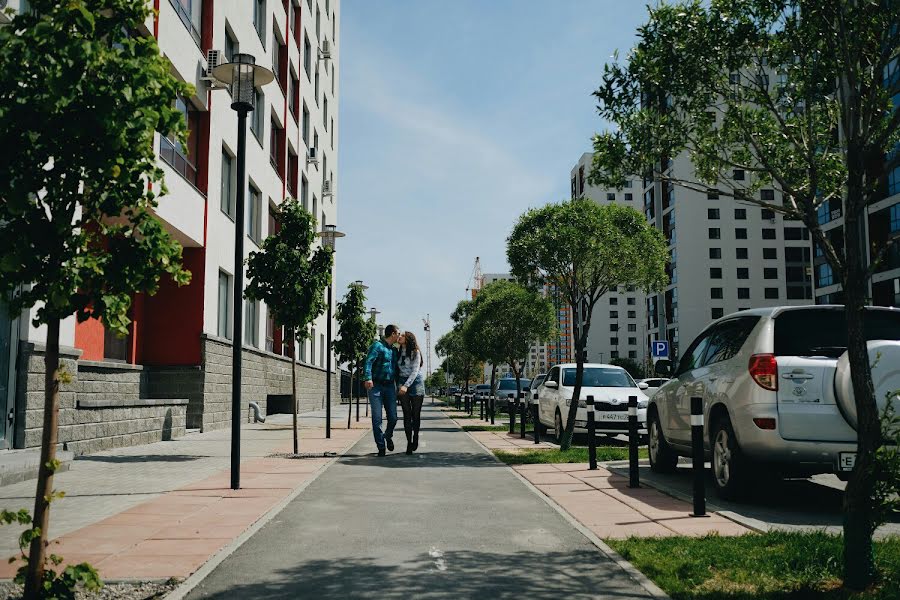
[(824, 133), (462, 362), (629, 364), (582, 250), (505, 320), (291, 277), (355, 332), (81, 98), (437, 380)]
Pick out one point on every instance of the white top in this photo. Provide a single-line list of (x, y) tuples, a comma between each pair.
[(409, 367)]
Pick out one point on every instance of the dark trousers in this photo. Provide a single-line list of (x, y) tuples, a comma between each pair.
[(412, 416)]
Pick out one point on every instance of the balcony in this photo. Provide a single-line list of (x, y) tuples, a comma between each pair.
[(172, 154)]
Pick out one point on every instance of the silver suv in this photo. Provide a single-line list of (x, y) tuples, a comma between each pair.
[(775, 384)]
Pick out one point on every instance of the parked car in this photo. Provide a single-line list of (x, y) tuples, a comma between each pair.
[(775, 384), (482, 390), (535, 384), (506, 389), (653, 385), (608, 384)]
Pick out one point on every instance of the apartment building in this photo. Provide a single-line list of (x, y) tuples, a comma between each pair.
[(619, 320), (173, 371)]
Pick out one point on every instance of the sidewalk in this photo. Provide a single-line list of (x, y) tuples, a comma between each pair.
[(162, 510), (603, 502)]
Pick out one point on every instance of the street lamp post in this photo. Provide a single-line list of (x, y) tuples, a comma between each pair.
[(243, 75), (329, 234), (373, 312), (354, 389)]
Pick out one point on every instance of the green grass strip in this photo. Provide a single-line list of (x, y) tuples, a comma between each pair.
[(575, 454)]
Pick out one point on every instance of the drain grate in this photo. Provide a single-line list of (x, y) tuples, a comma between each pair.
[(303, 455)]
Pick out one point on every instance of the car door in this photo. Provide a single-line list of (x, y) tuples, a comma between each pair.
[(548, 397), (675, 404)]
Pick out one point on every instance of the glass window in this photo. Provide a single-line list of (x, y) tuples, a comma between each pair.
[(726, 339), (227, 200), (304, 192), (712, 195), (630, 301), (824, 275), (613, 314), (305, 125), (740, 214), (715, 273), (321, 349), (770, 253), (743, 273), (231, 47), (823, 331), (312, 346), (191, 14), (771, 293), (768, 234), (741, 253), (767, 195), (251, 325), (613, 301), (712, 213), (716, 313), (738, 175), (180, 156), (714, 233), (770, 273), (259, 19), (307, 55), (740, 233), (254, 216), (223, 328), (716, 293), (895, 218), (715, 253), (258, 114), (610, 196), (693, 357), (743, 293)]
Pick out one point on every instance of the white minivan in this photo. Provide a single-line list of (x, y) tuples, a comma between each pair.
[(608, 384)]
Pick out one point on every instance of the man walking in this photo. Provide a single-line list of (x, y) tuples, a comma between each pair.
[(381, 369)]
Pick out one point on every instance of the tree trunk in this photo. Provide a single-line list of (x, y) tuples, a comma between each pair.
[(859, 562), (42, 497), (294, 391), (580, 340), (350, 398), (494, 380)]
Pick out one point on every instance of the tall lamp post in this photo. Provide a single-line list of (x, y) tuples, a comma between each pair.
[(354, 389), (329, 235), (243, 75), (373, 312)]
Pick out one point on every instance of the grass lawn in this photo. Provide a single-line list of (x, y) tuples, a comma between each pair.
[(575, 454), (770, 566)]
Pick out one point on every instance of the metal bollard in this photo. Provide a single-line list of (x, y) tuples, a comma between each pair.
[(493, 407), (592, 434), (633, 475), (511, 406), (523, 406), (537, 422), (467, 399), (457, 401), (698, 460), (481, 399)]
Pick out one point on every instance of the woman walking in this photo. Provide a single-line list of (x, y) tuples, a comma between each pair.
[(412, 388)]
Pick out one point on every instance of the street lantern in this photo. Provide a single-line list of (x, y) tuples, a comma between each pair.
[(244, 76), (329, 235)]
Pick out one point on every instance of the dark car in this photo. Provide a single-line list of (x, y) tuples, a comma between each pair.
[(506, 389)]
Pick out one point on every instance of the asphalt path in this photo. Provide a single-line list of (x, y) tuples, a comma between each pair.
[(446, 522)]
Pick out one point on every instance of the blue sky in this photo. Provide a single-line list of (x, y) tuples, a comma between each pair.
[(455, 117)]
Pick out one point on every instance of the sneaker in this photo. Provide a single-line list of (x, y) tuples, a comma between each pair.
[(409, 449), (390, 444), (381, 452), (415, 444)]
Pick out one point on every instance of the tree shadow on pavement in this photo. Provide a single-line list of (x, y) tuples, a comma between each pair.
[(454, 574), (400, 460), (141, 458)]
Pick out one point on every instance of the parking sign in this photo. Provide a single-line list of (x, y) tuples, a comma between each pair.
[(660, 349)]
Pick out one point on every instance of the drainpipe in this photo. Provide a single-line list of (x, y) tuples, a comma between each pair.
[(257, 413)]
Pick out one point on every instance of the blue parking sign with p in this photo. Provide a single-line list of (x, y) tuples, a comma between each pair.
[(660, 349)]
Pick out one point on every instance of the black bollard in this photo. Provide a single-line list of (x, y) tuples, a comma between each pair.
[(523, 405), (592, 434), (491, 403), (633, 476), (698, 459), (511, 406), (481, 399), (537, 421), (457, 401)]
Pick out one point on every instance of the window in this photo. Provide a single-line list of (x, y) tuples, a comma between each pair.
[(741, 253), (223, 328), (227, 200), (726, 338), (740, 214), (716, 293), (178, 155), (307, 55), (770, 253), (610, 196), (613, 326), (740, 233), (743, 273), (715, 273), (325, 112), (712, 195), (613, 354), (316, 84), (305, 125), (738, 175), (628, 197), (714, 233), (632, 353), (794, 254), (251, 324), (191, 14), (796, 233), (259, 19), (294, 97), (312, 346), (743, 293), (770, 273), (632, 341), (717, 313), (304, 192), (254, 215), (632, 327), (768, 233), (630, 301), (767, 213), (895, 218), (771, 293), (231, 46), (712, 213), (632, 314), (293, 169), (613, 301), (258, 114), (321, 349), (613, 314), (767, 195), (613, 341), (824, 275), (715, 253)]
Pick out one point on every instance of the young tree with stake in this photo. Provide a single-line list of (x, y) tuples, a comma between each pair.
[(583, 250), (355, 333), (81, 99), (290, 276)]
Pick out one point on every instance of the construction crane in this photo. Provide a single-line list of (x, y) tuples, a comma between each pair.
[(476, 281), (427, 323)]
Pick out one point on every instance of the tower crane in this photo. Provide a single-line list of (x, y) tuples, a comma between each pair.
[(427, 323), (476, 281)]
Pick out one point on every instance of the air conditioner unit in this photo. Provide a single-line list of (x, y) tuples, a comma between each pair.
[(214, 58), (325, 50), (312, 156)]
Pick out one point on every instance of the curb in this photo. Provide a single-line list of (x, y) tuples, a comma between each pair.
[(651, 588), (197, 577)]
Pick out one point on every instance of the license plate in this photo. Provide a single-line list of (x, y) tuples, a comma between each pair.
[(612, 416), (846, 461)]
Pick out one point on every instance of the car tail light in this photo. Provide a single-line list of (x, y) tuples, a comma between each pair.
[(764, 371), (764, 423)]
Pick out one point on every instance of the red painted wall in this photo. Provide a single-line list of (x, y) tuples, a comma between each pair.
[(173, 318), (89, 339)]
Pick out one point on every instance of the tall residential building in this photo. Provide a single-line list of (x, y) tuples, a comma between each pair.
[(619, 320), (172, 371)]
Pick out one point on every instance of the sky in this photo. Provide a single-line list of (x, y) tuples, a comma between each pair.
[(456, 117)]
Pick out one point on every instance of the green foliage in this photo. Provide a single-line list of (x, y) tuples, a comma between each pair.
[(355, 330), (437, 379), (463, 363), (55, 585), (288, 274), (575, 454), (886, 467), (629, 364), (80, 101)]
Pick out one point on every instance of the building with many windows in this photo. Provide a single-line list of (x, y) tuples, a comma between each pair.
[(172, 372)]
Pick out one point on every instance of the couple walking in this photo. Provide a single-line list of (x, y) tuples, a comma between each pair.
[(394, 368)]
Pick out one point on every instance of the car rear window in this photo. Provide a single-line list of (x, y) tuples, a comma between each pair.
[(823, 332), (510, 384), (600, 377)]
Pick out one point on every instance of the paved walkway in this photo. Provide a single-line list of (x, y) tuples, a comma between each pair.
[(447, 522), (161, 510)]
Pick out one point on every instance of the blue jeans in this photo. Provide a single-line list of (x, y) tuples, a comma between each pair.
[(386, 396)]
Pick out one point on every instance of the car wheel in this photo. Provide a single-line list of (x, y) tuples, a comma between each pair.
[(730, 471), (662, 458), (558, 428)]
